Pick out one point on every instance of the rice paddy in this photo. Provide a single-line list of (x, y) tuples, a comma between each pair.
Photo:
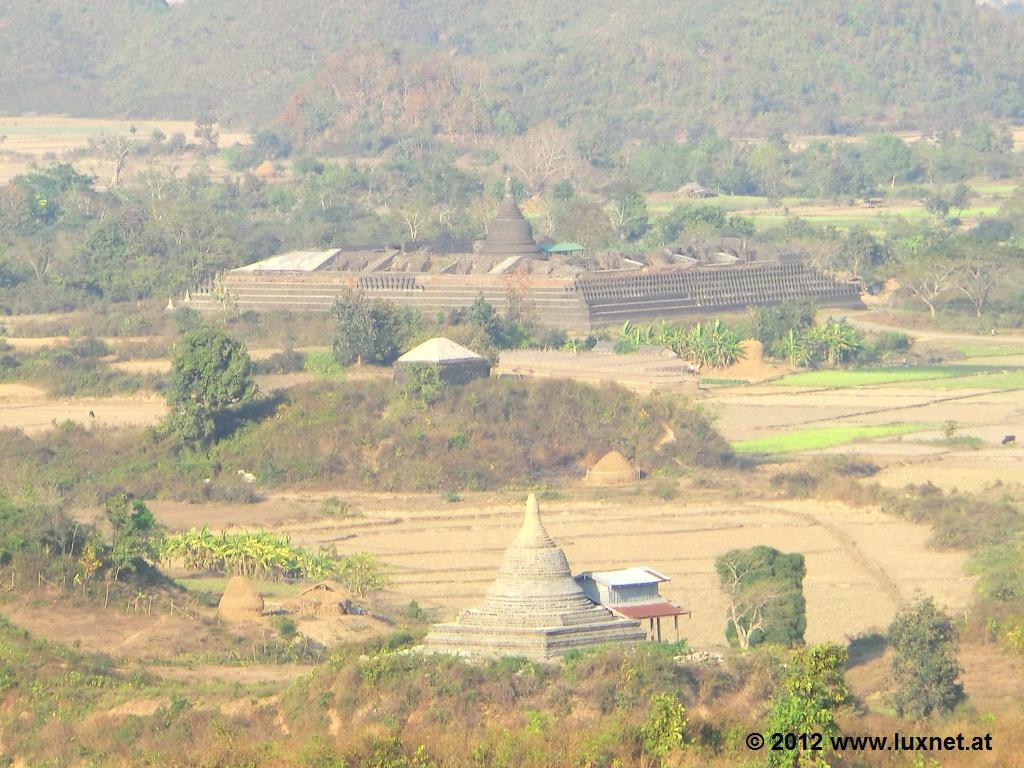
[(818, 438)]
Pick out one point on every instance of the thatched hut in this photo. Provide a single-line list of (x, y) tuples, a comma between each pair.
[(613, 469), (240, 601), (325, 598)]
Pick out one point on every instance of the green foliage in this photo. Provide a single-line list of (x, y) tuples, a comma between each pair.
[(664, 730), (924, 667), (764, 589), (264, 555), (711, 345), (1000, 568), (369, 331), (324, 365), (364, 434), (136, 536), (210, 371), (805, 703), (422, 383), (959, 520)]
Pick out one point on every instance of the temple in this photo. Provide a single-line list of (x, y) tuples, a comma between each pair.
[(558, 286), (534, 608)]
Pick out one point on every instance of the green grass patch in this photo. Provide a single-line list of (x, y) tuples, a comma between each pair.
[(991, 350), (1000, 380), (824, 437), (843, 379)]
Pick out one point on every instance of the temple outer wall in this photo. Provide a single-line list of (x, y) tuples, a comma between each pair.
[(576, 304)]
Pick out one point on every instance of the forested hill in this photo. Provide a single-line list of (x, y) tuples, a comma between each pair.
[(622, 68)]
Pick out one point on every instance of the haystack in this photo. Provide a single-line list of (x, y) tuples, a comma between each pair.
[(325, 598), (613, 469), (240, 601), (265, 170)]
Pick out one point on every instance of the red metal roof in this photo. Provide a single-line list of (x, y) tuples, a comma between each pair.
[(653, 610)]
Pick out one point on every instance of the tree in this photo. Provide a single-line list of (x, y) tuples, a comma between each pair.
[(861, 251), (210, 371), (928, 277), (887, 159), (136, 535), (540, 157), (978, 274), (764, 588), (629, 216), (805, 704), (925, 668), (369, 331)]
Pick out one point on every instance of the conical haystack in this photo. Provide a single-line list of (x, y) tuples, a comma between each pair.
[(613, 469), (240, 601), (265, 170), (534, 608)]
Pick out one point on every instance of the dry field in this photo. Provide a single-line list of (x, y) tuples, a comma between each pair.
[(32, 410), (29, 139), (860, 563)]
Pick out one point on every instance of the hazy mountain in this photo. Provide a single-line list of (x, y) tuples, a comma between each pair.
[(632, 67)]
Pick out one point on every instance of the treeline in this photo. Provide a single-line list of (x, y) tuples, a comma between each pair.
[(472, 73)]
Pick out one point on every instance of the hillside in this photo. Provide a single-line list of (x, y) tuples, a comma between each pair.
[(459, 68)]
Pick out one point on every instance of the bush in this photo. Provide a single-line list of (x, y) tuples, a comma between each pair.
[(924, 665)]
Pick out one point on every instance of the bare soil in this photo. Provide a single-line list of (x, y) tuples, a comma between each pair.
[(32, 410)]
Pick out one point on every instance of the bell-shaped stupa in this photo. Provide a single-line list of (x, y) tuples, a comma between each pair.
[(509, 234), (534, 608)]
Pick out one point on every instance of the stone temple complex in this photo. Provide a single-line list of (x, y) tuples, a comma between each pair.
[(561, 288), (534, 608)]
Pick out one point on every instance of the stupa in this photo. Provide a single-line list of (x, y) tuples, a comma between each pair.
[(534, 608), (509, 235)]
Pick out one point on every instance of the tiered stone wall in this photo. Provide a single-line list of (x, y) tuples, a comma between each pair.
[(577, 304)]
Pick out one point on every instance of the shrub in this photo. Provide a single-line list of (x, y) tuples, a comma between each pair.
[(924, 665)]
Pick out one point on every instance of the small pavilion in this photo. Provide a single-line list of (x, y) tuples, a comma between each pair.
[(633, 593), (534, 608)]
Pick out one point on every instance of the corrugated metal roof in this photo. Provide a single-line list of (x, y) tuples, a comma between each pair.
[(561, 247), (653, 610), (293, 261), (438, 350), (628, 577)]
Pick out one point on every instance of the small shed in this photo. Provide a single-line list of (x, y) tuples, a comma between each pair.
[(563, 249), (455, 364), (325, 598), (632, 593), (240, 601), (613, 469)]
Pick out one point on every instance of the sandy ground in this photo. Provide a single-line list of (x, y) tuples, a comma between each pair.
[(860, 563), (31, 409)]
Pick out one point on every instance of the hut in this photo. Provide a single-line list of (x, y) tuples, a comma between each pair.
[(454, 363), (534, 608), (240, 601), (325, 598), (613, 469)]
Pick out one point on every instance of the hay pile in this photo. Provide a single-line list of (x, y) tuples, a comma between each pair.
[(613, 469), (240, 601)]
